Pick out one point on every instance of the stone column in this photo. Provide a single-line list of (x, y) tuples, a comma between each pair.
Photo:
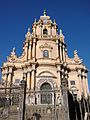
[(34, 49), (80, 87), (26, 51), (6, 78), (29, 51), (83, 82), (29, 78), (60, 51), (33, 80), (86, 83), (59, 77), (63, 53), (57, 51), (34, 31), (10, 76), (41, 30), (6, 75)]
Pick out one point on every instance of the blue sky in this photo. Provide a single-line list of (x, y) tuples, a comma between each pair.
[(72, 16)]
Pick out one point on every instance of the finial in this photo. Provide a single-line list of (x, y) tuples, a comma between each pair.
[(13, 51), (61, 35), (28, 34), (28, 29), (35, 20), (44, 13), (54, 21), (75, 52), (60, 31)]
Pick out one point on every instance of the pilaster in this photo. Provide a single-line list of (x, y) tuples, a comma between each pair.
[(80, 83), (34, 31), (33, 78), (29, 78), (58, 58), (63, 52), (26, 51), (60, 51), (10, 75), (41, 30), (84, 83), (59, 77), (34, 49), (29, 51)]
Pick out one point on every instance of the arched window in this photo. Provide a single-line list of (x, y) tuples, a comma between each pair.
[(45, 53), (46, 96), (45, 32)]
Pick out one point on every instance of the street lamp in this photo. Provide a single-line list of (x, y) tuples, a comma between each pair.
[(22, 100), (74, 99)]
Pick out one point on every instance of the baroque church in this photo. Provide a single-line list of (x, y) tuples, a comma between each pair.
[(46, 67)]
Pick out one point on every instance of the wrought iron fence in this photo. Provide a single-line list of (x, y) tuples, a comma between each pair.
[(10, 106)]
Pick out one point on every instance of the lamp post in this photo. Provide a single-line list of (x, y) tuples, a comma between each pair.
[(74, 99), (22, 98)]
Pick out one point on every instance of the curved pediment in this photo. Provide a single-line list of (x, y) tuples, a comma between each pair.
[(46, 74)]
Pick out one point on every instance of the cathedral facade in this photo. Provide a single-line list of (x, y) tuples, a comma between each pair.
[(46, 66)]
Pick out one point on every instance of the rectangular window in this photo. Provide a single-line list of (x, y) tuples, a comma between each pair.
[(72, 82)]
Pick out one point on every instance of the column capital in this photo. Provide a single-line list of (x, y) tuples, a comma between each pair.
[(30, 43), (60, 44), (34, 40), (63, 46), (29, 69)]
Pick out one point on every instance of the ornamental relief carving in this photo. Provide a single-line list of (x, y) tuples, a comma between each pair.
[(46, 80), (13, 57), (45, 46)]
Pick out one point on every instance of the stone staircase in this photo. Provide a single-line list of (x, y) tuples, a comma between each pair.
[(33, 112)]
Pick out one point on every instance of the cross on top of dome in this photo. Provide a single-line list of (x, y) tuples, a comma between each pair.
[(44, 13)]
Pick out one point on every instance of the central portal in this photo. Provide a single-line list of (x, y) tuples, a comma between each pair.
[(46, 94)]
